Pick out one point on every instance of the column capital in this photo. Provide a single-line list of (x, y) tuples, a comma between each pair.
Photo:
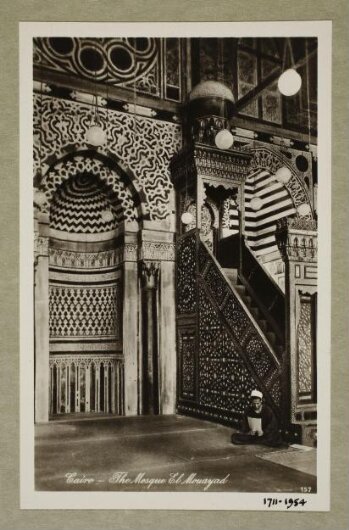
[(41, 245), (150, 271)]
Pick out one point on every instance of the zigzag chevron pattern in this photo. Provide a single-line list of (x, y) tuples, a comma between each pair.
[(78, 204)]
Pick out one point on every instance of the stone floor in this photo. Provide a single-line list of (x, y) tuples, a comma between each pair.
[(154, 453)]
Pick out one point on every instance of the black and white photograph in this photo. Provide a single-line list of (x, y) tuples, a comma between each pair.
[(175, 265)]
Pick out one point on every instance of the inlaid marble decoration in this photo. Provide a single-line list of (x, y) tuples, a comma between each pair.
[(145, 146)]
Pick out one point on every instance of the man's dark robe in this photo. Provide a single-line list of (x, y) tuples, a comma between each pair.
[(271, 435)]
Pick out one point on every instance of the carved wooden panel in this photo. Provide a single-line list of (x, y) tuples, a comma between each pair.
[(224, 381), (187, 366), (186, 275), (305, 347)]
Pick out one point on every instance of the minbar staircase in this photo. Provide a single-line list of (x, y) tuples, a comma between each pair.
[(257, 289), (251, 304), (231, 335), (225, 344)]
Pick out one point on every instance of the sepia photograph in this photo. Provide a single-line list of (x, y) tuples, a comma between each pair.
[(175, 263)]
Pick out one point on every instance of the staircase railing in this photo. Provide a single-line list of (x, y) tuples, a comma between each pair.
[(232, 252), (229, 251), (267, 295)]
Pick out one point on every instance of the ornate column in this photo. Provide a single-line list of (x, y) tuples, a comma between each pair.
[(130, 331), (41, 324), (297, 241), (150, 364), (159, 247)]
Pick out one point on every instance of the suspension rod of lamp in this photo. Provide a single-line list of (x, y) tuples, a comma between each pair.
[(96, 135), (265, 84), (224, 138)]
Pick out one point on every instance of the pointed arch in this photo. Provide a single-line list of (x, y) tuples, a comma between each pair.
[(270, 160), (116, 178)]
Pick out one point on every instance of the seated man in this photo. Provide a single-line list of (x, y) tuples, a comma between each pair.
[(259, 425)]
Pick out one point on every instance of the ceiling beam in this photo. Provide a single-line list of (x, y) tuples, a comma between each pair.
[(259, 89)]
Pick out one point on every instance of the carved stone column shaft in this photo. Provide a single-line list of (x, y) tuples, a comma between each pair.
[(150, 364), (41, 316)]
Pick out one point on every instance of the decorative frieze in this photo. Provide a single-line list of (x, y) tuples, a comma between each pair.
[(85, 260), (38, 86), (139, 109), (84, 358), (91, 99), (41, 246), (158, 251), (58, 276), (233, 165), (149, 250), (79, 347), (283, 142), (298, 223), (297, 239), (203, 161)]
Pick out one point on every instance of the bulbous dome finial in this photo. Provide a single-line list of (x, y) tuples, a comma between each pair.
[(211, 89), (211, 98)]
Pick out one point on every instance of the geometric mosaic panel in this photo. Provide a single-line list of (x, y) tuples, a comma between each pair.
[(84, 311)]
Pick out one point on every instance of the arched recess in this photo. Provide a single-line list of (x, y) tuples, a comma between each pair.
[(86, 277), (267, 201), (270, 160), (119, 180), (209, 220)]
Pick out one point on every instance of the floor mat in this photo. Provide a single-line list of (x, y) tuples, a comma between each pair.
[(300, 458)]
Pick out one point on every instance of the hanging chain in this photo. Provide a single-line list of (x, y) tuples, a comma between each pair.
[(308, 90)]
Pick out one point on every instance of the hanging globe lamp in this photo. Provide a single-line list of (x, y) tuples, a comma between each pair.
[(224, 139), (187, 218), (256, 204), (283, 175), (289, 82)]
